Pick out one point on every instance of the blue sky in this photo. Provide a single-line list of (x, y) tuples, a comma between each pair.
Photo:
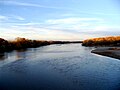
[(59, 19)]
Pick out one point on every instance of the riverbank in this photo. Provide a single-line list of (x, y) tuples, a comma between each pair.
[(108, 46), (113, 52), (23, 43), (102, 41)]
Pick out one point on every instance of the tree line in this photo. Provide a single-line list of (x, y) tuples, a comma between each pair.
[(103, 41), (23, 43)]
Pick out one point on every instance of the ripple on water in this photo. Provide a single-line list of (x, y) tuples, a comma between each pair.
[(64, 65)]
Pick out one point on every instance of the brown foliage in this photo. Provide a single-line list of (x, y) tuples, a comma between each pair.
[(104, 41), (23, 43)]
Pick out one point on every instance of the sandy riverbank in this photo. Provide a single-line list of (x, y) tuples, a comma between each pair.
[(113, 52)]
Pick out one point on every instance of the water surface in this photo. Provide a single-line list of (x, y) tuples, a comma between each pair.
[(58, 67)]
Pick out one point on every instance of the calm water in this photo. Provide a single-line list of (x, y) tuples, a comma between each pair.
[(58, 67)]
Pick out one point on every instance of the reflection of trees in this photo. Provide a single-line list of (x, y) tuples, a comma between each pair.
[(21, 54), (3, 56)]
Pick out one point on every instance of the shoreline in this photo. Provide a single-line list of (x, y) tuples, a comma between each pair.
[(113, 52), (23, 43)]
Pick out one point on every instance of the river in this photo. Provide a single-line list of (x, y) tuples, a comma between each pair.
[(58, 67)]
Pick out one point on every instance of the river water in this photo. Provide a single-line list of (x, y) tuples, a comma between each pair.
[(58, 67)]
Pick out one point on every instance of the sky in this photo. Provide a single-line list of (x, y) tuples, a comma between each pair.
[(59, 19)]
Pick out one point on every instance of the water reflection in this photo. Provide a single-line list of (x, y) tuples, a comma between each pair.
[(15, 55), (3, 56), (59, 67), (21, 54)]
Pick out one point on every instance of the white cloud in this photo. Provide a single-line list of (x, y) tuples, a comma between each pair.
[(106, 28), (65, 23), (39, 33), (43, 33), (16, 3), (73, 23), (3, 17), (29, 24), (29, 4), (10, 17), (72, 20), (19, 18), (73, 28)]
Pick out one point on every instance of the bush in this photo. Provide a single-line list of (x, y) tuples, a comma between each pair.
[(104, 41)]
